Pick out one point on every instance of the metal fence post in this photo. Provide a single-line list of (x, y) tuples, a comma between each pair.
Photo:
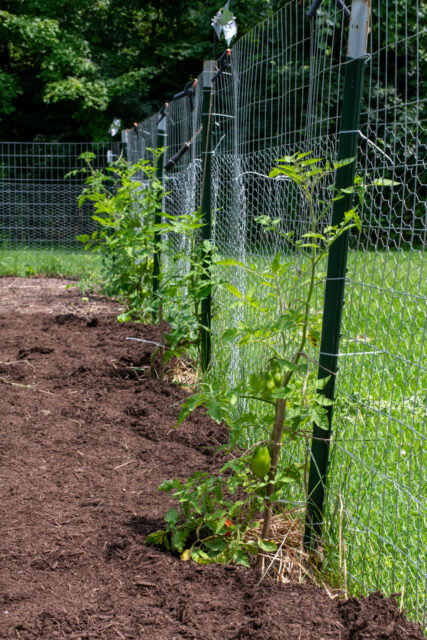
[(206, 231), (337, 263), (161, 144), (124, 138)]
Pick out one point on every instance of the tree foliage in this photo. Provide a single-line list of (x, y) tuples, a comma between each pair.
[(68, 67)]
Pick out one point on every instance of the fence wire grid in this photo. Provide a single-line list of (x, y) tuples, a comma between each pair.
[(38, 208), (283, 95)]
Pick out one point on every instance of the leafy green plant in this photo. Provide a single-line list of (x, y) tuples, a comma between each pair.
[(214, 521), (126, 199), (287, 386), (181, 290)]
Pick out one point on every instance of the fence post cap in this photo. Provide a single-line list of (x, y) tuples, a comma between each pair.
[(359, 28)]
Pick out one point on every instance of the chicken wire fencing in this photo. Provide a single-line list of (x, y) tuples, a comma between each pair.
[(283, 94), (38, 208)]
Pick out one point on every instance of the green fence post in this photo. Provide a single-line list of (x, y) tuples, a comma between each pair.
[(161, 144), (206, 231), (337, 264)]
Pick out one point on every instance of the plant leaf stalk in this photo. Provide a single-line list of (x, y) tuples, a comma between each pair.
[(278, 428)]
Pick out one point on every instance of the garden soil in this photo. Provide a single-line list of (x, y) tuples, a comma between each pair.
[(86, 439)]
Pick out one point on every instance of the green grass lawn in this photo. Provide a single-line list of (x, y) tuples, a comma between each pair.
[(379, 457), (27, 262)]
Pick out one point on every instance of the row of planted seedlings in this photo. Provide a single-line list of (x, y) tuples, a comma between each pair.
[(227, 517)]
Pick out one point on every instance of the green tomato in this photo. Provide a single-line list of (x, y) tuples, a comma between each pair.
[(278, 379), (270, 385), (261, 461)]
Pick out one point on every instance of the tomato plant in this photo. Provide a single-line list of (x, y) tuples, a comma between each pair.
[(287, 331), (215, 516), (181, 290), (125, 199), (217, 513)]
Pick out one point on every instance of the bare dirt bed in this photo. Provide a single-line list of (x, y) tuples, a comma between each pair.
[(85, 441)]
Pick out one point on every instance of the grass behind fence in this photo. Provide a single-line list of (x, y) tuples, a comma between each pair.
[(378, 465), (28, 262)]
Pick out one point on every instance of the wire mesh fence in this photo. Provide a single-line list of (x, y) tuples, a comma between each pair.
[(38, 208), (283, 95)]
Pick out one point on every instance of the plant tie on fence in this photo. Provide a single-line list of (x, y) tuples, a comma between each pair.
[(163, 113), (185, 147), (188, 91), (223, 64), (136, 127), (362, 135)]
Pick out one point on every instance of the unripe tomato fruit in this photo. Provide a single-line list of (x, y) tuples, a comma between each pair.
[(261, 461), (278, 379), (270, 385)]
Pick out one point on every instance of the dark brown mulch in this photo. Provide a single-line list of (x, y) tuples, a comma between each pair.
[(86, 438)]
